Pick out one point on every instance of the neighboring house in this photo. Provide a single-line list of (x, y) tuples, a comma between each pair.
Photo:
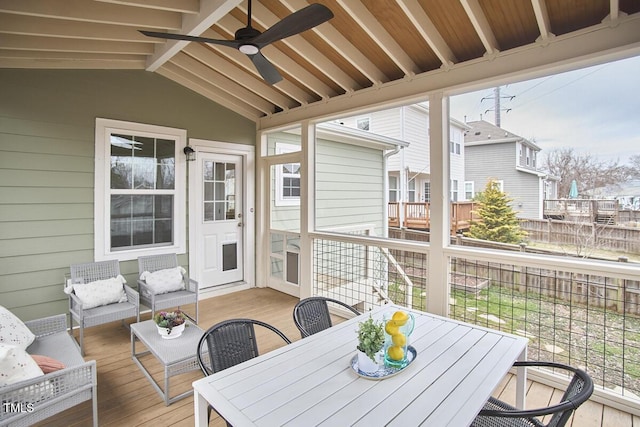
[(409, 169), (493, 153)]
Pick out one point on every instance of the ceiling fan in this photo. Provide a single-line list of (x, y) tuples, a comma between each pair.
[(249, 41)]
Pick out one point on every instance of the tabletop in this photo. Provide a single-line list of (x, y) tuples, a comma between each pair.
[(311, 382), (168, 351)]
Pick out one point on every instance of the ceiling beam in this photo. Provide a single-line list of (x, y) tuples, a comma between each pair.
[(542, 18), (481, 25), (57, 44), (223, 83), (243, 78), (36, 26), (69, 60), (204, 88), (342, 45), (428, 31), (379, 35), (182, 6), (193, 25)]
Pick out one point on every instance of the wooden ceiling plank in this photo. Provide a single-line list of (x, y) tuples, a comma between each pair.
[(241, 60), (222, 82), (36, 43), (232, 72), (196, 84), (481, 25), (282, 61), (182, 6), (264, 17), (193, 25), (91, 11), (344, 47), (428, 31), (542, 18), (379, 35), (37, 26)]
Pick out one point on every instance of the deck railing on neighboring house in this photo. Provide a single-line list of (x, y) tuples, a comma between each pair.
[(417, 215)]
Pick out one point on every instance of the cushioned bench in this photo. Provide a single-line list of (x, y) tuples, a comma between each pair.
[(28, 401)]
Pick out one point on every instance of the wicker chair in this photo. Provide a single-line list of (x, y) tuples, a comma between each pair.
[(500, 414), (85, 318), (189, 295), (311, 315), (231, 342), (36, 399)]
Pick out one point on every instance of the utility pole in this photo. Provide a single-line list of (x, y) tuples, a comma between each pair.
[(496, 104)]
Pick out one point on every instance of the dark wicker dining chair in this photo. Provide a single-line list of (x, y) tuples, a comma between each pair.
[(311, 315), (229, 343), (500, 414)]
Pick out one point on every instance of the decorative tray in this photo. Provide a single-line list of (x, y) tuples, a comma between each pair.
[(384, 371)]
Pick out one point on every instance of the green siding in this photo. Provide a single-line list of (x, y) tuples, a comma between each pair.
[(47, 131)]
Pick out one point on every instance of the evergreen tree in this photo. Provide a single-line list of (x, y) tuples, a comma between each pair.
[(498, 222)]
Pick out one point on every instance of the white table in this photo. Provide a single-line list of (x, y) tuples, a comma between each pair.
[(177, 355), (311, 382)]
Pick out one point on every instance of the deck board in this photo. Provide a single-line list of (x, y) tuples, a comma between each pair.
[(125, 396)]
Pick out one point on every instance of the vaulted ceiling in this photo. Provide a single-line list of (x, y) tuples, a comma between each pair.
[(370, 51)]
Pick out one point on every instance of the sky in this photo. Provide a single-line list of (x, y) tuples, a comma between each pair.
[(594, 110)]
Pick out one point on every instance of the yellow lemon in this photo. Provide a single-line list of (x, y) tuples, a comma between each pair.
[(400, 318), (395, 353), (391, 328), (399, 339)]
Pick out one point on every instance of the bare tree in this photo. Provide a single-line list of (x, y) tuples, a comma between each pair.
[(589, 172), (634, 161)]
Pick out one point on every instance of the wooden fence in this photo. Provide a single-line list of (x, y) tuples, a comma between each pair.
[(619, 295), (583, 235)]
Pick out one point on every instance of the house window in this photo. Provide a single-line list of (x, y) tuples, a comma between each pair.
[(288, 178), (427, 192), (454, 147), (139, 190), (394, 191), (528, 156), (468, 190), (454, 190), (363, 123), (411, 191)]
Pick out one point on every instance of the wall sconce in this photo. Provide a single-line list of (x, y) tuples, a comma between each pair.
[(190, 153)]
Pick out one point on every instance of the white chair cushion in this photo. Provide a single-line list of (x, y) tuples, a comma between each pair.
[(13, 330), (101, 292), (164, 281), (16, 365)]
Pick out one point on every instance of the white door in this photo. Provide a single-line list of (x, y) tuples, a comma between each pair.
[(219, 222)]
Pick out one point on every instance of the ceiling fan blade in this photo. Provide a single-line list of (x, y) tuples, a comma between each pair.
[(266, 69), (171, 36), (302, 20)]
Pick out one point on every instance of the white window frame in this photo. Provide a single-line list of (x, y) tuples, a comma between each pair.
[(284, 148), (468, 184), (394, 189), (102, 191), (427, 192), (454, 190)]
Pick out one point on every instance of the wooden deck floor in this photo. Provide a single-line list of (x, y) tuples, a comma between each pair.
[(125, 397)]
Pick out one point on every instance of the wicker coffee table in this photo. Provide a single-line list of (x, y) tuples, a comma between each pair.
[(177, 355)]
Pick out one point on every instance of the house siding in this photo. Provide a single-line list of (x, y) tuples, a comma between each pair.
[(47, 131), (337, 204), (349, 186), (524, 188)]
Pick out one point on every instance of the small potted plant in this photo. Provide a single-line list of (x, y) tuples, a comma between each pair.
[(170, 323), (370, 344)]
